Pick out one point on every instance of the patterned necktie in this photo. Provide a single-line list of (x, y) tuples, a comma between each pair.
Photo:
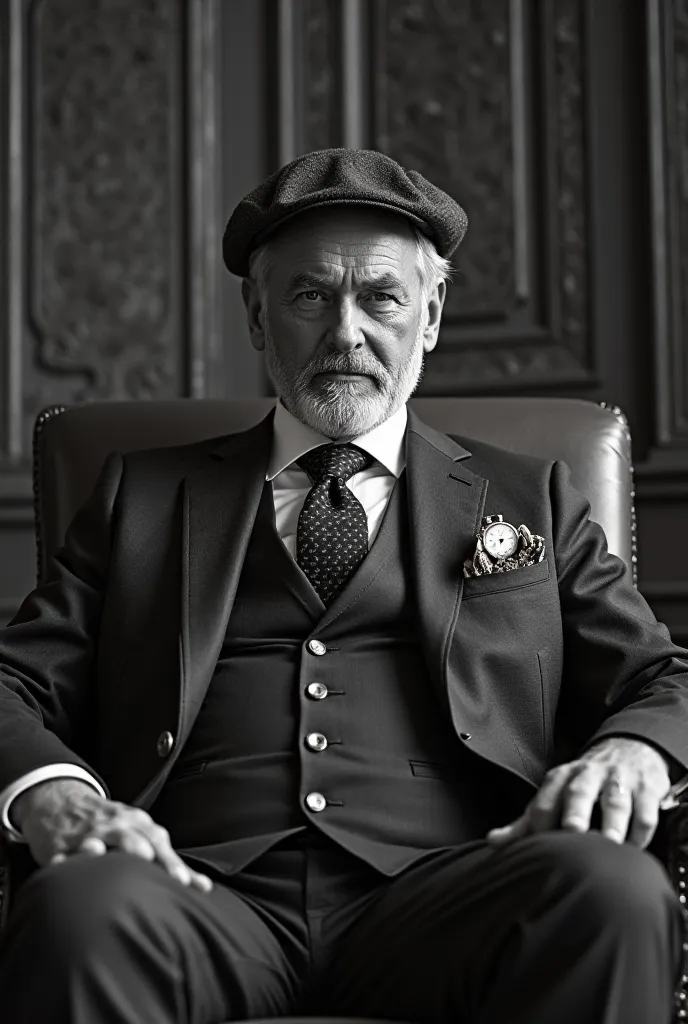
[(332, 535)]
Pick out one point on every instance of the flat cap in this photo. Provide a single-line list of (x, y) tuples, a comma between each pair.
[(334, 177)]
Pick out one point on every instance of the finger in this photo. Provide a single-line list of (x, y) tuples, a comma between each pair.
[(166, 856), (617, 807), (94, 845), (176, 867), (159, 839), (131, 841), (202, 882), (580, 796), (507, 833), (544, 810), (645, 816)]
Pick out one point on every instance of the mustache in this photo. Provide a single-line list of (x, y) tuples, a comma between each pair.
[(345, 364)]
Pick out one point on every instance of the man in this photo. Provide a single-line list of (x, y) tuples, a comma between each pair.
[(279, 730)]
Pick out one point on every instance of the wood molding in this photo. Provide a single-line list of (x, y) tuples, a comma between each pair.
[(331, 74), (205, 363), (17, 487), (12, 236), (667, 60)]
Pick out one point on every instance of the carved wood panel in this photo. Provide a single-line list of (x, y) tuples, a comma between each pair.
[(442, 101), (105, 299), (453, 91), (321, 75), (110, 198), (662, 476), (108, 211)]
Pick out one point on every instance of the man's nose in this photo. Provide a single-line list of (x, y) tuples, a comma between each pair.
[(345, 332)]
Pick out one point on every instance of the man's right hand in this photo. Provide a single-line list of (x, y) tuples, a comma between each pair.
[(63, 817)]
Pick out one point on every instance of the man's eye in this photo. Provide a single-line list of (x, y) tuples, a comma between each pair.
[(311, 295), (382, 297)]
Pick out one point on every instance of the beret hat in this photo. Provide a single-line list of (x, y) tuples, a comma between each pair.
[(332, 177)]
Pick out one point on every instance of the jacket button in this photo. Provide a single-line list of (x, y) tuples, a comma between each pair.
[(316, 802), (465, 735), (316, 741), (316, 647), (165, 743), (316, 691)]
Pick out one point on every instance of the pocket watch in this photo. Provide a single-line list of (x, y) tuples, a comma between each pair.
[(499, 539)]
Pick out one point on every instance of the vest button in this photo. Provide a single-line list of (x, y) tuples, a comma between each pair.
[(316, 741), (165, 743), (316, 691), (465, 735), (316, 647), (316, 802)]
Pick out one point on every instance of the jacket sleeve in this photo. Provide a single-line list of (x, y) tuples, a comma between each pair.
[(621, 672), (47, 651)]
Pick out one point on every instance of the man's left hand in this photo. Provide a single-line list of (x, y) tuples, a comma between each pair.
[(630, 812)]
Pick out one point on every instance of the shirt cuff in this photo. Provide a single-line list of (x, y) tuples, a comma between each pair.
[(44, 774)]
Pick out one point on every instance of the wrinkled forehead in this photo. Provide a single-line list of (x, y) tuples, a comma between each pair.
[(345, 237)]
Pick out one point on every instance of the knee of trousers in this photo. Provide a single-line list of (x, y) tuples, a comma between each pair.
[(615, 881), (73, 907)]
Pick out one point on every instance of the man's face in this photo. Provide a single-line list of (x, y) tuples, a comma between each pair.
[(343, 319)]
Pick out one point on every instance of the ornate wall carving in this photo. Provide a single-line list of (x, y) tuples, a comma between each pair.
[(320, 71), (108, 259), (452, 93), (106, 223), (446, 85), (569, 148), (442, 106)]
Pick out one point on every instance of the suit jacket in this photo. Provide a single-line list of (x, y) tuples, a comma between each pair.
[(532, 666)]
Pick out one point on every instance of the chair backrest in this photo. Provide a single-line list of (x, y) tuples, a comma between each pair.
[(70, 446)]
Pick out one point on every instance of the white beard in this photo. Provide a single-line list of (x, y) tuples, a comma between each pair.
[(338, 408)]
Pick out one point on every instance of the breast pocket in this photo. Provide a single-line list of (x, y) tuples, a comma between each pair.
[(499, 582), (185, 770)]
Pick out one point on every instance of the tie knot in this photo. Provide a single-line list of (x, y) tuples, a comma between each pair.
[(338, 460)]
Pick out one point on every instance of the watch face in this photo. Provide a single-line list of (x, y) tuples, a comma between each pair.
[(500, 540)]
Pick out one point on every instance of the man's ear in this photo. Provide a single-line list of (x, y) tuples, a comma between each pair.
[(435, 302), (254, 313)]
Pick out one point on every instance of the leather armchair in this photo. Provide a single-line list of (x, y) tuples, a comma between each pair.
[(70, 445)]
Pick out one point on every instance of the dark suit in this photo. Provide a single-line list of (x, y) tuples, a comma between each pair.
[(529, 666)]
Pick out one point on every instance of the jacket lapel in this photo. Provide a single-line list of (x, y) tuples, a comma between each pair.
[(446, 502), (220, 502)]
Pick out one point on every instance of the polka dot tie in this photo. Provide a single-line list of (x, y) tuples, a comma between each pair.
[(332, 535)]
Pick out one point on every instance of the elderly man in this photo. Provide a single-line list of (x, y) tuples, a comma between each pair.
[(278, 732)]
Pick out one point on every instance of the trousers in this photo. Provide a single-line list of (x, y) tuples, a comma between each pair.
[(556, 928)]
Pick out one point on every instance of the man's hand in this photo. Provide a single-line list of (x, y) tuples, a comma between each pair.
[(570, 791), (63, 817)]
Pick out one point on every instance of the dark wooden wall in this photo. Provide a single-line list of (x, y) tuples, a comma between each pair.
[(129, 131)]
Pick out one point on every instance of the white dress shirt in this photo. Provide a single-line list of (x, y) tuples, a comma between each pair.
[(290, 484)]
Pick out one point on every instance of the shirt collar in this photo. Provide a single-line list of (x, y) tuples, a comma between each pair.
[(291, 439)]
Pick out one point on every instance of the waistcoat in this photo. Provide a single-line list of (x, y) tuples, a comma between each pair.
[(324, 717)]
